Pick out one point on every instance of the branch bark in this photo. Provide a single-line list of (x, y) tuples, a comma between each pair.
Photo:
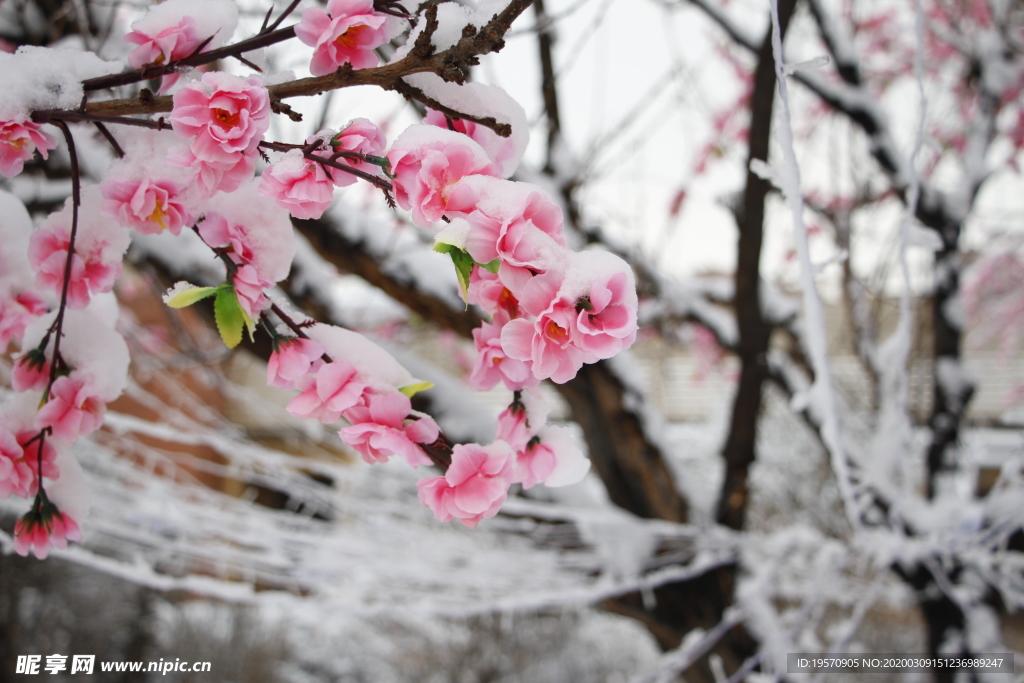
[(754, 332), (448, 64)]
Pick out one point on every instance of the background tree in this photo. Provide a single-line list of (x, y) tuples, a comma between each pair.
[(738, 600)]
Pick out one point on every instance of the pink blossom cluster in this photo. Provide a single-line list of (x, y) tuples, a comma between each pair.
[(382, 422), (58, 400), (552, 308), (19, 140), (100, 246), (347, 33), (224, 118), (176, 29), (304, 186)]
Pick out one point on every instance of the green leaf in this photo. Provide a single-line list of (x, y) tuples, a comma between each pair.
[(230, 317), (463, 266), (191, 296), (492, 266), (411, 390)]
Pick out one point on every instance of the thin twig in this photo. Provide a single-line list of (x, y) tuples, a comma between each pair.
[(105, 132), (288, 10), (149, 71)]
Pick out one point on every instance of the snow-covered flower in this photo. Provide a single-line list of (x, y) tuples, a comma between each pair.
[(25, 482), (16, 474), (516, 222), (346, 33), (73, 409), (166, 45), (292, 360), (493, 365), (487, 291), (224, 117), (547, 339), (475, 485), (30, 372), (300, 185), (325, 395), (149, 206), (99, 250), (18, 142), (363, 136), (427, 163), (551, 458), (249, 286), (175, 29), (380, 429), (17, 312)]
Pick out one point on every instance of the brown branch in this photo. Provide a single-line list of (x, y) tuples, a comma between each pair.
[(740, 447), (447, 64), (150, 71)]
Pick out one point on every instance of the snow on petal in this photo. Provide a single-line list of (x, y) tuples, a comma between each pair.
[(291, 360), (482, 101), (346, 33), (100, 246), (255, 229), (301, 186), (19, 141), (427, 162)]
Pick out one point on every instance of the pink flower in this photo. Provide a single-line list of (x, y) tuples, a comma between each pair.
[(427, 163), (547, 341), (513, 427), (329, 393), (607, 307), (606, 323), (493, 365), (30, 372), (16, 313), (149, 206), (73, 410), (226, 117), (166, 45), (381, 430), (291, 361), (513, 221), (41, 526), (346, 33), (18, 141), (249, 288), (502, 151), (218, 231), (253, 230), (17, 475), (90, 273), (361, 136), (25, 479), (474, 487), (214, 178), (300, 185), (534, 464), (488, 292)]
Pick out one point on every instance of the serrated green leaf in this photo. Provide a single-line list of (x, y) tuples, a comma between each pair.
[(229, 316), (492, 266), (411, 390), (443, 248), (191, 296)]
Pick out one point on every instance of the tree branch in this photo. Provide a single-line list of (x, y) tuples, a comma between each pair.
[(447, 64)]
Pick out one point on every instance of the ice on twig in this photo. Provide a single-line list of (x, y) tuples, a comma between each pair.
[(816, 63)]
